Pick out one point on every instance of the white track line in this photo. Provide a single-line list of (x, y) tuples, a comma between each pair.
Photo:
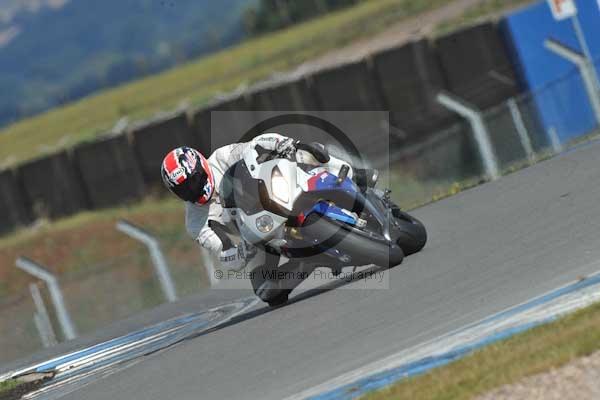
[(467, 335)]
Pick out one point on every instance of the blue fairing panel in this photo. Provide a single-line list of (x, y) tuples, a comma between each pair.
[(332, 212), (328, 181)]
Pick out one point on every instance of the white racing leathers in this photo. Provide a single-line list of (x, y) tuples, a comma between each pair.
[(198, 217)]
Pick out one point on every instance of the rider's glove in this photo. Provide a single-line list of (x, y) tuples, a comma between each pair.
[(286, 148), (236, 257), (232, 259)]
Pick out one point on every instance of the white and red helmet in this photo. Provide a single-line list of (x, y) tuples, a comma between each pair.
[(187, 174)]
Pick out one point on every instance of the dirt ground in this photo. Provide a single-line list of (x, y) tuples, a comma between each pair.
[(578, 380)]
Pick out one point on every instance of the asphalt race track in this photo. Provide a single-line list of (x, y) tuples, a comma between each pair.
[(490, 248)]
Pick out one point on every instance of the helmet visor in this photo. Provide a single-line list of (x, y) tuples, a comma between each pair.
[(193, 188)]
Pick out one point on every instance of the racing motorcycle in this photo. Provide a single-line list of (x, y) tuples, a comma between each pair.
[(314, 218)]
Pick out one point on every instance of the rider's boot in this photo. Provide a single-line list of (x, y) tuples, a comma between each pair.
[(265, 280), (272, 292)]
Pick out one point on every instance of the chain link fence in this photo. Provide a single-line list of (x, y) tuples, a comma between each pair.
[(519, 134), (96, 295), (18, 333)]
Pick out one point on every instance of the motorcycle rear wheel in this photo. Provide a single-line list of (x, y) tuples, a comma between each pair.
[(410, 233)]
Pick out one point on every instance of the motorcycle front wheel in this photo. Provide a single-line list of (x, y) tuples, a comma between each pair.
[(360, 247)]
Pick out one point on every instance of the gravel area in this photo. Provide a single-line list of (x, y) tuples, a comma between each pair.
[(578, 380)]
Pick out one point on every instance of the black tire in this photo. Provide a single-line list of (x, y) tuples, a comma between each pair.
[(361, 247), (273, 297), (280, 299), (410, 233)]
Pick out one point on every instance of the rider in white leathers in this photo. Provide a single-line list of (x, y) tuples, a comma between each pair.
[(197, 181)]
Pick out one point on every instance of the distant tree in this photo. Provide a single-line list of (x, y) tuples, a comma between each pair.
[(66, 53)]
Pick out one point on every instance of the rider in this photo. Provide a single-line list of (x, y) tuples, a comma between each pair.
[(196, 180)]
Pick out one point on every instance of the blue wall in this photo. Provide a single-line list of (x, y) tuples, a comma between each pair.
[(560, 95)]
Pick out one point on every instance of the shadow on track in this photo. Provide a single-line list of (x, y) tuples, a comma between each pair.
[(338, 283)]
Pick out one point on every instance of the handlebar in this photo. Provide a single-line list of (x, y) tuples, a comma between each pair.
[(268, 156)]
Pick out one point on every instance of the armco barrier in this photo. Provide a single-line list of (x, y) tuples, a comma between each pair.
[(410, 79), (349, 87), (295, 96), (229, 127), (286, 96), (53, 186), (200, 120), (476, 65), (153, 140), (14, 207), (109, 171), (353, 87)]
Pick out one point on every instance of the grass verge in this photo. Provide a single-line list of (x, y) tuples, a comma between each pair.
[(529, 353), (13, 389), (199, 80), (77, 245), (487, 9), (7, 385)]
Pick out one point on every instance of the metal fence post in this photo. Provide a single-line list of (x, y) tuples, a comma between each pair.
[(158, 260), (585, 68), (586, 48), (521, 129), (482, 136), (555, 140), (55, 294), (42, 329), (41, 318)]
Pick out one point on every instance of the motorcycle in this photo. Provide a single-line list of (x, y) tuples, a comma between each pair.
[(314, 218)]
